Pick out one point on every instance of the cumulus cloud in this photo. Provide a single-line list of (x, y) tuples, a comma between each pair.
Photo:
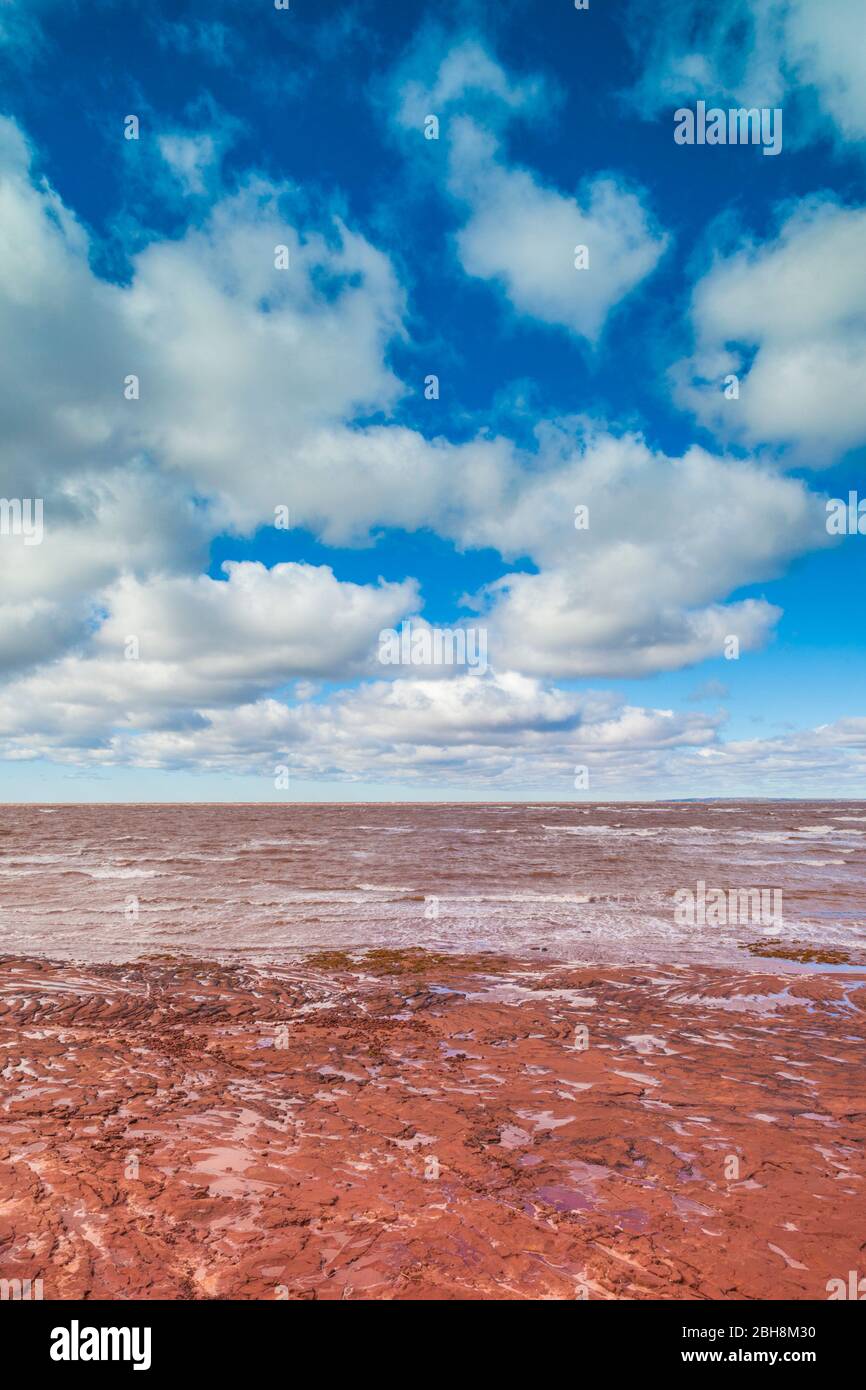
[(237, 356), (259, 626), (501, 727), (231, 353), (565, 260), (756, 53), (805, 762), (61, 393), (252, 384), (170, 645), (462, 71), (788, 318), (549, 620), (637, 590), (248, 377), (95, 527), (249, 380), (519, 233), (235, 363), (503, 731), (640, 590)]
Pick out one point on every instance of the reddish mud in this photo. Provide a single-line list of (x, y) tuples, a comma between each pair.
[(414, 1127)]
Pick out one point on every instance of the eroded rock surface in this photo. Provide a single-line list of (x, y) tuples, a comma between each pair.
[(422, 1127)]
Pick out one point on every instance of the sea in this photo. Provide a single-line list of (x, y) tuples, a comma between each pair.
[(594, 882)]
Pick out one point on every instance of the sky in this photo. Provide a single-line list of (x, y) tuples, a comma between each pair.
[(327, 319)]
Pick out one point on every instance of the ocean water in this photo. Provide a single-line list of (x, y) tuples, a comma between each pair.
[(583, 881)]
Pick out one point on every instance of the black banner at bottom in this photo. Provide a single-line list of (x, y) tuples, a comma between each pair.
[(82, 1338)]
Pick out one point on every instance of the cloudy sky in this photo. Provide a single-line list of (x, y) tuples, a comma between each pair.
[(284, 258)]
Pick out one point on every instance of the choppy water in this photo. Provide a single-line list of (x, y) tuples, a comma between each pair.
[(587, 882)]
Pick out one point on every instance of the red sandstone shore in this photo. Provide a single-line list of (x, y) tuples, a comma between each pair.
[(406, 1126)]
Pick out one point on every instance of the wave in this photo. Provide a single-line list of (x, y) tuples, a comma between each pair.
[(621, 830), (383, 888), (120, 873), (814, 863)]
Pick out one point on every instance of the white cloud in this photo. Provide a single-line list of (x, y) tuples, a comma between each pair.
[(504, 731), (252, 380), (258, 627), (192, 152), (520, 233), (190, 157), (788, 317), (465, 72), (498, 728), (241, 361), (827, 47), (756, 53), (61, 390), (96, 527), (248, 376), (551, 623), (639, 590), (200, 642), (237, 363), (801, 763), (525, 236), (237, 360)]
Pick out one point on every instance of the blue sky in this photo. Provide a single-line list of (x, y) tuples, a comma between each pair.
[(256, 648)]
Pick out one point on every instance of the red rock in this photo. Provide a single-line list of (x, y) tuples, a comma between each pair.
[(154, 1147)]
